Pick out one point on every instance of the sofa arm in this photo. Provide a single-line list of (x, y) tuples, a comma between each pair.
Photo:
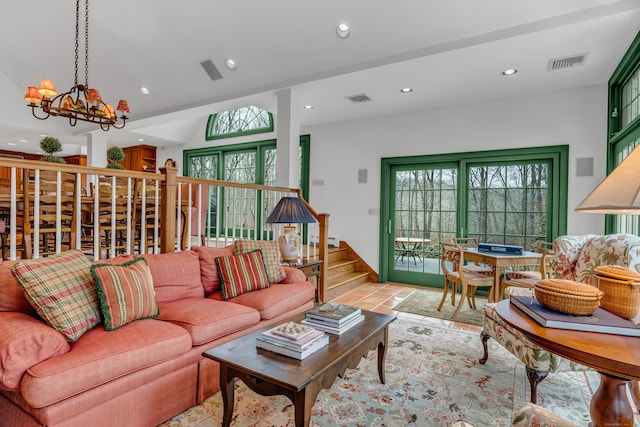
[(293, 276), (24, 342)]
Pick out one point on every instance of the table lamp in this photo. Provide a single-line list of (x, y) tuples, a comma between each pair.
[(290, 210), (619, 192)]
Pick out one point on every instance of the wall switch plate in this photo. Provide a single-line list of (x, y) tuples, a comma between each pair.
[(374, 211)]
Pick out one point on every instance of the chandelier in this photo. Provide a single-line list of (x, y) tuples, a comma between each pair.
[(80, 102)]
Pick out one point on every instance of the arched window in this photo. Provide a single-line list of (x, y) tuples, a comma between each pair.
[(241, 121)]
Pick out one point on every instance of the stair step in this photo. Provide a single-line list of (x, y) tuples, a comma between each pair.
[(337, 255), (346, 282), (343, 266)]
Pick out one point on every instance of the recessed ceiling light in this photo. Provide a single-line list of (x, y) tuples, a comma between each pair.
[(308, 107), (22, 140), (343, 31), (406, 90), (140, 139), (144, 90), (231, 64), (509, 72), (13, 143)]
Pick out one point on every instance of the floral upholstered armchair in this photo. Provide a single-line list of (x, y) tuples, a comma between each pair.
[(576, 258)]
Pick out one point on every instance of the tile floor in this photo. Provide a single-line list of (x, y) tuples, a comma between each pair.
[(382, 297)]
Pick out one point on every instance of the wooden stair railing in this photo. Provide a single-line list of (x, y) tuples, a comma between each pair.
[(174, 219)]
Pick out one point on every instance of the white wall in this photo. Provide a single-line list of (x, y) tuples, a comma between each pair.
[(576, 118)]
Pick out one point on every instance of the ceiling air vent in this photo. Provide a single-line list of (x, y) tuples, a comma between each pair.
[(567, 62), (211, 70), (358, 98)]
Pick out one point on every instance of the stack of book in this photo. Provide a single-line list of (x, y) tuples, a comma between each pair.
[(333, 318), (600, 321), (293, 340)]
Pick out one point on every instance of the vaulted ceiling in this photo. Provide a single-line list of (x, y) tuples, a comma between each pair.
[(448, 52)]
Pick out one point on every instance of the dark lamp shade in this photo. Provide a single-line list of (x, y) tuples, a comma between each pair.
[(618, 193), (290, 210)]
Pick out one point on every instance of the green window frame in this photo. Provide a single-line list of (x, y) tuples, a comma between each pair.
[(242, 121), (197, 162), (213, 163), (623, 125)]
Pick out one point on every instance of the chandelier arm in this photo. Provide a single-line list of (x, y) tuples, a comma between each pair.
[(33, 111)]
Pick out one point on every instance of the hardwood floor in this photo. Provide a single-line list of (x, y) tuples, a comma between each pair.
[(382, 297)]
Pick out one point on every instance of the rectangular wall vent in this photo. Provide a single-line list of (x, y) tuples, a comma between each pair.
[(358, 98), (567, 62), (211, 70)]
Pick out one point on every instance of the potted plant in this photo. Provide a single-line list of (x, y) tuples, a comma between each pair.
[(51, 145), (115, 155)]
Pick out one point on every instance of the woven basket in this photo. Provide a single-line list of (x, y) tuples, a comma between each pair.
[(567, 296), (621, 288)]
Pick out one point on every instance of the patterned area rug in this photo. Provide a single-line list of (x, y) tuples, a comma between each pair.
[(425, 303), (433, 379)]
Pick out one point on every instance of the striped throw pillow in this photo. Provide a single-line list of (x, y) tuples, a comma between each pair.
[(240, 274), (62, 291), (270, 255), (126, 292)]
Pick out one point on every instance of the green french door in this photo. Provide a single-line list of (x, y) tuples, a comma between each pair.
[(425, 212), (514, 197)]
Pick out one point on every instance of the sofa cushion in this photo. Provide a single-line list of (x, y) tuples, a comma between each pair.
[(240, 274), (62, 291), (206, 319), (100, 356), (270, 255), (276, 300), (25, 341), (175, 275), (610, 249), (208, 268), (12, 296), (125, 292)]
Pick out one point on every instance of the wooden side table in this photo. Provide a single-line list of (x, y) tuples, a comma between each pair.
[(311, 269), (615, 357)]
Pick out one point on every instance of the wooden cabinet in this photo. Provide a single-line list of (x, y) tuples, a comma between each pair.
[(79, 159), (140, 158)]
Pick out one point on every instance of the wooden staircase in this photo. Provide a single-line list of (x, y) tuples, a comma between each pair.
[(346, 271)]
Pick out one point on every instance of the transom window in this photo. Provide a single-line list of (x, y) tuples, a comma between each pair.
[(237, 122)]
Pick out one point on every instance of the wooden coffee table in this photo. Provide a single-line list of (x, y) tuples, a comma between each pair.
[(615, 357), (268, 373)]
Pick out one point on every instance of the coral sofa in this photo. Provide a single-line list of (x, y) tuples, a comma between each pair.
[(576, 258), (146, 371)]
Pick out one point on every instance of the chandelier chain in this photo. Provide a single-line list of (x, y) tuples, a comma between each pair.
[(86, 44), (77, 36)]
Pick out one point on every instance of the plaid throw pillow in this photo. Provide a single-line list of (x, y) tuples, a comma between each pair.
[(270, 255), (240, 274), (61, 290), (126, 292)]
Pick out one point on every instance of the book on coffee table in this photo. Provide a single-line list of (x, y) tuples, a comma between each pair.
[(600, 321), (294, 344), (317, 344), (333, 313), (332, 328)]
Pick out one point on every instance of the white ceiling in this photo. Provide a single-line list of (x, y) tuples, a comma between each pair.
[(449, 52)]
